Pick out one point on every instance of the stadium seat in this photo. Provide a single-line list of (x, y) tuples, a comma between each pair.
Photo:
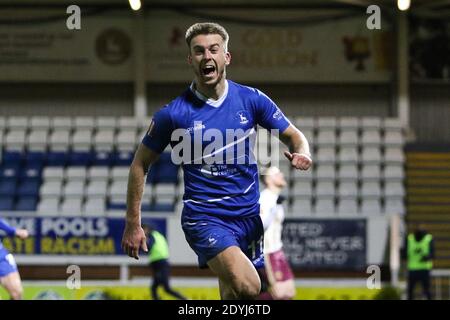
[(370, 189), (348, 155), (8, 186), (75, 173), (35, 158), (393, 138), (98, 173), (128, 123), (48, 205), (97, 188), (122, 158), (394, 155), (348, 189), (370, 172), (83, 123), (38, 123), (94, 206), (29, 187), (17, 123), (82, 140), (325, 189), (394, 205), (371, 138), (305, 123), (119, 173), (61, 123), (105, 123), (37, 140), (26, 203), (71, 206), (324, 206), (371, 206), (326, 137), (53, 174), (347, 206), (51, 188), (57, 158), (302, 188), (104, 140), (80, 158), (348, 123), (327, 123), (326, 155), (73, 189), (370, 123), (15, 140), (348, 138), (6, 203), (348, 172), (102, 158), (393, 173), (371, 155), (325, 172), (60, 140), (301, 206), (126, 140), (394, 189), (14, 157)]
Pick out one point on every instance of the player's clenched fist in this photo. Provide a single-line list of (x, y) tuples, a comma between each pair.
[(299, 161)]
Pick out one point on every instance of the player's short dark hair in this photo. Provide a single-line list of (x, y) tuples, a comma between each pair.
[(206, 28)]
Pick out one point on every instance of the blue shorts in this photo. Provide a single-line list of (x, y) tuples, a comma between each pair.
[(7, 265), (209, 235)]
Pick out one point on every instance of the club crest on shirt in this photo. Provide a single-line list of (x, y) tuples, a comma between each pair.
[(242, 117), (277, 115)]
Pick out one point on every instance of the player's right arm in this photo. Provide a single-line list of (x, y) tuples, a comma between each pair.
[(154, 142), (11, 231), (134, 236)]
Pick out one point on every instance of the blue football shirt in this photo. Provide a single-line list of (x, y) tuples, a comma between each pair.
[(214, 140), (10, 231)]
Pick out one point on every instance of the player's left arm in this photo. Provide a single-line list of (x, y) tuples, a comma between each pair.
[(11, 231), (299, 154)]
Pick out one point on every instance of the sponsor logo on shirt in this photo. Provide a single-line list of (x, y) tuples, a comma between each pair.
[(277, 115)]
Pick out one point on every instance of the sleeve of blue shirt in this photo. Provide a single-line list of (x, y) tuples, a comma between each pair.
[(268, 115), (10, 231), (160, 130)]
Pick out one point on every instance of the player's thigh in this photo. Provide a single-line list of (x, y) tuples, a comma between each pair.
[(233, 266)]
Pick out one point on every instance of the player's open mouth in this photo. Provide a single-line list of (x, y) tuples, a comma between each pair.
[(208, 70)]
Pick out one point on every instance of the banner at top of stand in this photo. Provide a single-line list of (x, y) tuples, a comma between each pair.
[(269, 46)]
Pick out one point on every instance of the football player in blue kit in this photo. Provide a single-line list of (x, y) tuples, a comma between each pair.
[(220, 217), (9, 274)]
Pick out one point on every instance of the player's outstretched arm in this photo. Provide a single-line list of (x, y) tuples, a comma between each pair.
[(298, 154), (134, 237)]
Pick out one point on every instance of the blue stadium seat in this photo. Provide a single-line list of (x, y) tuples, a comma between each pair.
[(12, 156), (163, 207), (57, 158), (80, 158), (29, 187), (8, 186), (35, 158), (102, 158), (9, 171), (6, 203), (116, 206), (26, 203), (31, 172), (122, 158)]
